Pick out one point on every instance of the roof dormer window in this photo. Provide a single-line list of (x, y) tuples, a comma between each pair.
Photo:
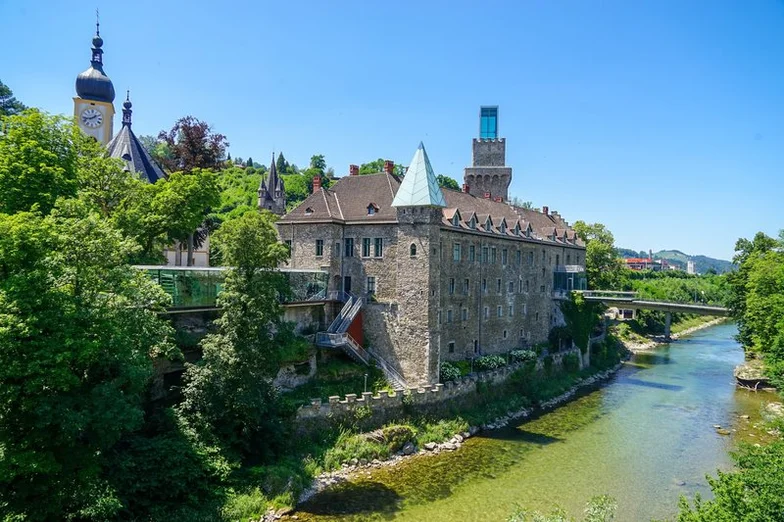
[(517, 229), (502, 227), (308, 211), (372, 209), (488, 224), (472, 223)]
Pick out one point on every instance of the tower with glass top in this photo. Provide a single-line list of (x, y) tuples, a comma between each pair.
[(488, 175)]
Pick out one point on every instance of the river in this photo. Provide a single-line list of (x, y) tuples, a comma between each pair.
[(644, 438)]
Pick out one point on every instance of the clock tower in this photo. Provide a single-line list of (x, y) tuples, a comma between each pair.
[(93, 107)]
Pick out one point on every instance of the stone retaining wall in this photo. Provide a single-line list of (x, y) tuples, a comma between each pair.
[(368, 410)]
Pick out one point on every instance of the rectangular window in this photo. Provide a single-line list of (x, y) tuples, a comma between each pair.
[(371, 285), (498, 286), (492, 255), (557, 259), (456, 252), (451, 286), (520, 286), (504, 256), (471, 253), (448, 316), (537, 316), (466, 286), (525, 309), (464, 314), (365, 247), (499, 310), (568, 259), (485, 252), (349, 247), (526, 285), (451, 346), (530, 258), (484, 285), (511, 310), (510, 288), (487, 312), (488, 123), (541, 289), (544, 256), (319, 247), (439, 317), (378, 250), (519, 257)]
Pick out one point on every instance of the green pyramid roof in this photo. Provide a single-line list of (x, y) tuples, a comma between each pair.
[(420, 186)]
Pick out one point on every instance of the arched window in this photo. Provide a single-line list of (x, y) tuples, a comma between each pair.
[(412, 250)]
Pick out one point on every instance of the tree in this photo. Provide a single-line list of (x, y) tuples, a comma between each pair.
[(228, 396), (374, 167), (445, 181), (581, 318), (281, 164), (249, 163), (193, 144), (40, 160), (318, 162), (518, 202), (602, 265), (9, 106), (77, 330)]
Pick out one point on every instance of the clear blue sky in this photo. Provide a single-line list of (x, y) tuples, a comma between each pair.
[(663, 120)]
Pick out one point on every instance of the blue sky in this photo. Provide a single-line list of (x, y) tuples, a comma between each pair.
[(663, 120)]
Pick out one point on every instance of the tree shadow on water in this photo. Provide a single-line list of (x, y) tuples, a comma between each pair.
[(355, 498)]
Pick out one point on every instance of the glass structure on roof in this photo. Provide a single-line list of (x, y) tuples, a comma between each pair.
[(488, 123)]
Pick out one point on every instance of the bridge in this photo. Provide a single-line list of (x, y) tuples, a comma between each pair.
[(631, 300)]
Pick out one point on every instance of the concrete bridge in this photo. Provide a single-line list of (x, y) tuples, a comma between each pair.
[(631, 300)]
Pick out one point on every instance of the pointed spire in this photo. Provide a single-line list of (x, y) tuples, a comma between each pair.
[(97, 59), (126, 120), (420, 186)]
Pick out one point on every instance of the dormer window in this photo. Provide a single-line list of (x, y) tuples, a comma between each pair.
[(502, 227), (472, 223), (308, 211), (517, 229), (488, 225), (372, 209)]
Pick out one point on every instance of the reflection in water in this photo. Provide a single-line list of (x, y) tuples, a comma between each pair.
[(645, 439)]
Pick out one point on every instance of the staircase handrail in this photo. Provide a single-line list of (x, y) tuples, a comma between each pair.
[(352, 313), (357, 349), (388, 370), (335, 325)]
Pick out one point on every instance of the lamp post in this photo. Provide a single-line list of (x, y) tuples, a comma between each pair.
[(366, 375)]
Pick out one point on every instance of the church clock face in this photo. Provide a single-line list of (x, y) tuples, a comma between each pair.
[(92, 118)]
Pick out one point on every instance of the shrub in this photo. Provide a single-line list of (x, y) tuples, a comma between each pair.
[(558, 335), (449, 372), (548, 364), (518, 356), (397, 435), (441, 430), (489, 362), (350, 446), (571, 363)]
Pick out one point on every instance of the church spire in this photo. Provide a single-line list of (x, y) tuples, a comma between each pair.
[(126, 119), (97, 59)]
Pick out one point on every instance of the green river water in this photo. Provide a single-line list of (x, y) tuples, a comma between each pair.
[(645, 438)]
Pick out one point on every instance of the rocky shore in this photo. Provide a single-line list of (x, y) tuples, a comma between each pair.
[(655, 340), (359, 467)]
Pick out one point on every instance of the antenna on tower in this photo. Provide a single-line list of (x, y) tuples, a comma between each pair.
[(97, 23)]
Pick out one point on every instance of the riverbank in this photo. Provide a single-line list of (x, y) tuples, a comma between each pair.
[(652, 341), (451, 443)]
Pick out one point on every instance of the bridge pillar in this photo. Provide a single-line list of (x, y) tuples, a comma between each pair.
[(667, 324)]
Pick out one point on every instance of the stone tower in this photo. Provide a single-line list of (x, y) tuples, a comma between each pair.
[(488, 172), (272, 194), (419, 203), (93, 103)]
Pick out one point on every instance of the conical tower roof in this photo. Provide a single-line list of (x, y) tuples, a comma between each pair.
[(420, 186)]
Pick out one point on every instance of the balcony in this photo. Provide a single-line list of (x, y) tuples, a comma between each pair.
[(569, 269)]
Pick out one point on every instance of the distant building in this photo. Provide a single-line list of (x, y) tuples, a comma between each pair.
[(272, 193), (691, 267), (443, 274)]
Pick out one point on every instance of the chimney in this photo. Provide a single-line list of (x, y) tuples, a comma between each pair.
[(499, 199), (465, 188), (389, 166), (545, 210), (487, 195), (353, 170), (316, 183)]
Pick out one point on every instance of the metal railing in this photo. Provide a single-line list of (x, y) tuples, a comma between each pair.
[(390, 373)]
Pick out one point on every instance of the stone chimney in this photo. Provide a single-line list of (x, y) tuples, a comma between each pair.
[(465, 188), (499, 199), (389, 166), (316, 183), (353, 170), (487, 195), (546, 210)]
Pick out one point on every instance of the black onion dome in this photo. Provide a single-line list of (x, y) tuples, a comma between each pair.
[(93, 84)]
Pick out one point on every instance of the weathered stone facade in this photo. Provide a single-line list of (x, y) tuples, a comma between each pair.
[(489, 173)]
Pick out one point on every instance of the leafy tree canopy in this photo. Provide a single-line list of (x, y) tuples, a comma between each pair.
[(445, 181), (192, 144), (374, 167), (602, 265), (9, 105)]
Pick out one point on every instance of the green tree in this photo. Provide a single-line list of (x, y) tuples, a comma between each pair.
[(228, 397), (581, 318), (40, 160), (518, 202), (281, 164), (318, 162), (602, 265), (9, 106), (445, 181), (77, 330)]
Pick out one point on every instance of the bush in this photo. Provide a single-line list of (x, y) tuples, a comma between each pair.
[(571, 363), (449, 372), (557, 336), (489, 362), (349, 446), (397, 435), (518, 356), (548, 364)]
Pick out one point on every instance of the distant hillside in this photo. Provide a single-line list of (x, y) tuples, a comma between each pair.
[(679, 259)]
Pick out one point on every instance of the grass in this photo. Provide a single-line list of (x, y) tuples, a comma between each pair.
[(690, 322)]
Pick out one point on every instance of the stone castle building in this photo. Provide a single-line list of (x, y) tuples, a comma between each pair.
[(442, 274)]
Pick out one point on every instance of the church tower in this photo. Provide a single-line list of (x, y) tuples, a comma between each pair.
[(488, 172), (272, 194), (93, 107)]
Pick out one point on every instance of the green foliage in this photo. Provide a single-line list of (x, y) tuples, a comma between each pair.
[(228, 397), (9, 106), (581, 318), (350, 446), (557, 336), (571, 363), (518, 356), (374, 167), (489, 362), (548, 364), (598, 509), (41, 159), (397, 435), (77, 331), (602, 265), (440, 430), (449, 372), (445, 181), (192, 144)]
